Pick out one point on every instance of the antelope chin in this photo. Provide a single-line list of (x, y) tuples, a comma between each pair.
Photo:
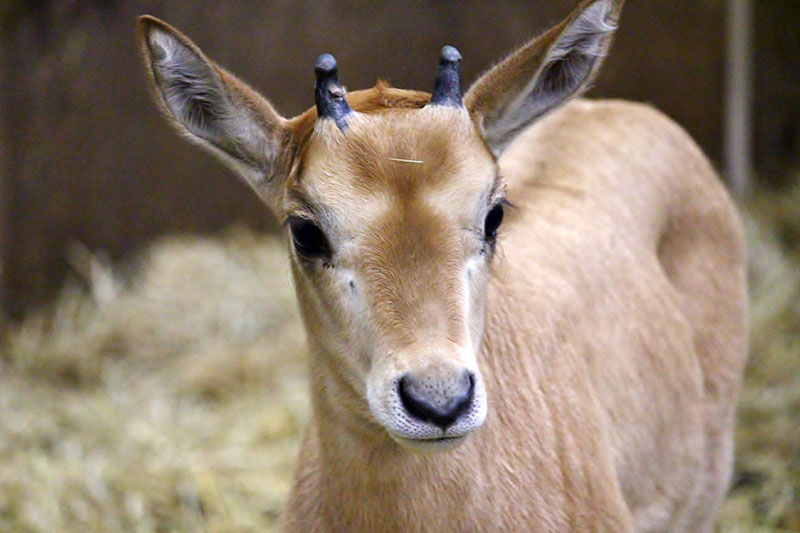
[(429, 446)]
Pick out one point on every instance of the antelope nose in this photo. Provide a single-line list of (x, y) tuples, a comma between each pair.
[(439, 402)]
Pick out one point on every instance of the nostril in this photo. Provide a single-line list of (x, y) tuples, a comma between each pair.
[(436, 403), (467, 386), (469, 377)]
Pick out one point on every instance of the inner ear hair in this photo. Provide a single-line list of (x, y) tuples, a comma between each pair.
[(212, 107), (569, 65), (543, 74), (189, 87)]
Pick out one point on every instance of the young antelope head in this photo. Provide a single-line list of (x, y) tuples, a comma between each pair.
[(393, 217), (392, 201)]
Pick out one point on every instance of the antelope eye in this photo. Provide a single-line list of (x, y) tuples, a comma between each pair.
[(309, 241), (493, 219)]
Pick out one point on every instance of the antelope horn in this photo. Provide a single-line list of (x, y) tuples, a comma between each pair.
[(329, 93), (447, 91)]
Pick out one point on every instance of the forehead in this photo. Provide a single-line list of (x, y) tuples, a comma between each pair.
[(431, 155)]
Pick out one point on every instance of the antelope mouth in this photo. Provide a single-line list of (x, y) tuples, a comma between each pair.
[(430, 445)]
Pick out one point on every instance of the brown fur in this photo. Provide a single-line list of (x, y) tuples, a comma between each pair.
[(612, 333)]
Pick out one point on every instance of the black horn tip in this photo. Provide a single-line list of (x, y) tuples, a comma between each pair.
[(329, 93), (325, 65), (447, 90), (450, 54)]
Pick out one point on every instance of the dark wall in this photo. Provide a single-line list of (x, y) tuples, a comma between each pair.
[(776, 87), (88, 159)]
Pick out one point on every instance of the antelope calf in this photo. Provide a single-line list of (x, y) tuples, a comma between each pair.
[(578, 364)]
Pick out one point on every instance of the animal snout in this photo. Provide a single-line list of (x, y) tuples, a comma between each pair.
[(436, 399)]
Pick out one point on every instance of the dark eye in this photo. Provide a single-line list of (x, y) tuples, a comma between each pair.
[(308, 238), (493, 219)]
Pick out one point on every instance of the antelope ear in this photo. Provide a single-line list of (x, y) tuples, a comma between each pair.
[(543, 74), (213, 108)]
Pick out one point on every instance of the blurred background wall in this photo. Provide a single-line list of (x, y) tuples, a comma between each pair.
[(85, 158)]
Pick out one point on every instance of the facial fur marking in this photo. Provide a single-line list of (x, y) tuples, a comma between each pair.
[(417, 161)]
